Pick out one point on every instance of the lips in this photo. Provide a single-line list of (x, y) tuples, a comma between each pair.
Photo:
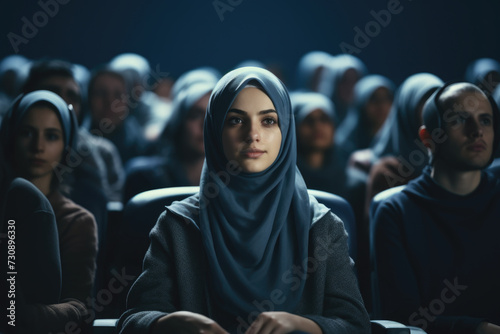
[(36, 162), (253, 153), (478, 146)]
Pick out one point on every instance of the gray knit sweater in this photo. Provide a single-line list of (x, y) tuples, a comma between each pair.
[(175, 272)]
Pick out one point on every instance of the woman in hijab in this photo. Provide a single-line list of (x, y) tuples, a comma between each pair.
[(37, 135), (338, 79), (320, 159), (399, 136), (373, 97), (243, 255), (484, 73), (183, 153), (310, 69)]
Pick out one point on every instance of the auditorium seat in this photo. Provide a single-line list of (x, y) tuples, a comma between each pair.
[(377, 199)]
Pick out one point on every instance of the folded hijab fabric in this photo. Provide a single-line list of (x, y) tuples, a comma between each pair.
[(255, 227), (198, 75)]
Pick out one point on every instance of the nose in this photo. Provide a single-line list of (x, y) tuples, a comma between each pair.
[(38, 143), (475, 129), (253, 133)]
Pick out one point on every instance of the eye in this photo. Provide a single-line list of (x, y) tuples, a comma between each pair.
[(25, 133), (234, 120), (457, 121), (269, 121), (486, 121), (52, 136)]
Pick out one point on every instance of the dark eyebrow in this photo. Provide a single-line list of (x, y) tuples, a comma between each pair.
[(48, 129), (242, 112), (53, 130)]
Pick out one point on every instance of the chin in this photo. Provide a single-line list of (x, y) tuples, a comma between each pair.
[(252, 169)]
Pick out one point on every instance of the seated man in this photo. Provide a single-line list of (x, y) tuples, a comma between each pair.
[(436, 246)]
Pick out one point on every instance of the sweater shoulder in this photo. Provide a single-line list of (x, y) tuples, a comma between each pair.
[(70, 215)]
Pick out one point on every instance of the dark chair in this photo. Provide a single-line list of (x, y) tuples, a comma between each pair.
[(377, 199), (343, 210), (131, 239), (107, 255)]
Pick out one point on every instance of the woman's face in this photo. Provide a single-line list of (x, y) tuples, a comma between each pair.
[(107, 101), (378, 107), (315, 133), (192, 136), (345, 87), (251, 135), (39, 143)]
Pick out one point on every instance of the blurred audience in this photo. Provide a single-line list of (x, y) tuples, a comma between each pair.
[(182, 155), (109, 113)]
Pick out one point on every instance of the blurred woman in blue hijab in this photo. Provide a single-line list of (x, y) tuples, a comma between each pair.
[(484, 73), (38, 135), (310, 69), (338, 79), (321, 161), (243, 255), (373, 97), (399, 136), (182, 153)]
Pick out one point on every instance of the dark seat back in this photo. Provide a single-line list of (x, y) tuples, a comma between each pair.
[(377, 199)]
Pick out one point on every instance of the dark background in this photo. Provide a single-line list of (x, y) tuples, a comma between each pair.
[(440, 37)]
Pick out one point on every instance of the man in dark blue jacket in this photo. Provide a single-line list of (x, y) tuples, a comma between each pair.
[(436, 243)]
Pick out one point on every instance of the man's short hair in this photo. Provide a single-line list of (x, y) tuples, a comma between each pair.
[(44, 69)]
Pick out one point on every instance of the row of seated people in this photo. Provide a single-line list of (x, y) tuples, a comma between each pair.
[(41, 118)]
